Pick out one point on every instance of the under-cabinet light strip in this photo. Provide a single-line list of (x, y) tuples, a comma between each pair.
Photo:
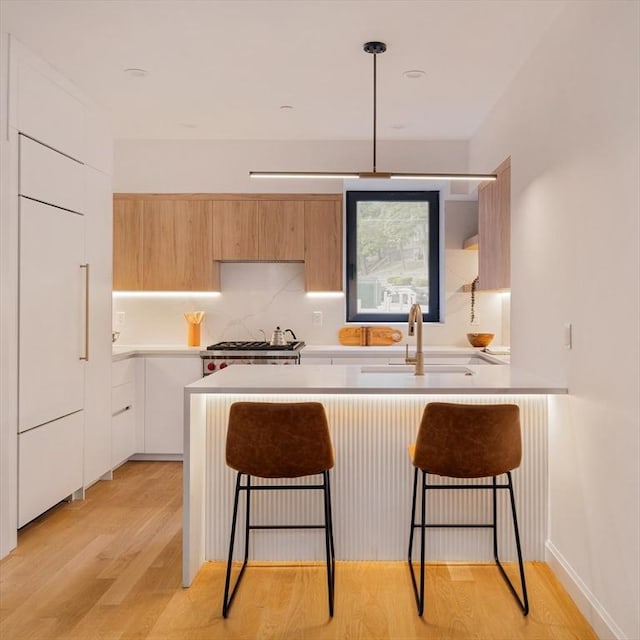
[(166, 294), (325, 294)]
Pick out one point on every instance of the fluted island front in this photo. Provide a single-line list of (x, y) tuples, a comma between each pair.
[(373, 416)]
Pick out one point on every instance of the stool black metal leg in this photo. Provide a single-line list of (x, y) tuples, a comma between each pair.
[(418, 591), (247, 521), (227, 600), (422, 539), (524, 602), (413, 513), (494, 519), (328, 536)]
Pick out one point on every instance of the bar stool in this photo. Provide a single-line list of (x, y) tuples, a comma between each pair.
[(466, 441), (278, 440)]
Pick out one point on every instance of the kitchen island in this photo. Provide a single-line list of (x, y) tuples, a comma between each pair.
[(373, 413)]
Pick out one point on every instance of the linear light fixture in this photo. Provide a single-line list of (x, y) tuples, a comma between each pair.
[(374, 48)]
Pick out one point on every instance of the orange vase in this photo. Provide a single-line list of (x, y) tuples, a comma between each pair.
[(193, 335)]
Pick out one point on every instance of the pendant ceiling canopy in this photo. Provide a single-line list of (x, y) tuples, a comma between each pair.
[(374, 48)]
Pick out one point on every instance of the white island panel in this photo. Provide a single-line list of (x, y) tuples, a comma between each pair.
[(373, 418)]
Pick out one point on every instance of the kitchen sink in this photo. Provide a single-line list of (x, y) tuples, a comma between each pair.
[(409, 368)]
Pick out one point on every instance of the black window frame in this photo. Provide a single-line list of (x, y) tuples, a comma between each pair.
[(435, 242)]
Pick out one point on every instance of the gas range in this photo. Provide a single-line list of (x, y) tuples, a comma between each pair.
[(222, 354)]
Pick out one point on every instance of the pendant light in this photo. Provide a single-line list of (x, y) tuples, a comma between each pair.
[(374, 48)]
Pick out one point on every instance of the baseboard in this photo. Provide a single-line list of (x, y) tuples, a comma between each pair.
[(602, 623), (165, 457)]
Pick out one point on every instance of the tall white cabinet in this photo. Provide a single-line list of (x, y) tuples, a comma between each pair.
[(55, 337), (53, 288)]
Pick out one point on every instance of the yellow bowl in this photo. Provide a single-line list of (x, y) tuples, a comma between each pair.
[(480, 339)]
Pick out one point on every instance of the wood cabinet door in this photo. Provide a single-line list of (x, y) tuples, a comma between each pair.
[(323, 245), (177, 246), (281, 230), (235, 230), (494, 231), (127, 245)]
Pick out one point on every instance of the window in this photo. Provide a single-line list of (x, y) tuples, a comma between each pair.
[(393, 255)]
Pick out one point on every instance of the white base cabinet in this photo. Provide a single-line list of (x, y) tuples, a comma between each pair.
[(50, 465), (165, 379), (123, 411)]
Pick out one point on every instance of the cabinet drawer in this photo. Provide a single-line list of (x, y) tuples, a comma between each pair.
[(50, 177), (122, 372), (123, 436), (49, 465), (122, 397)]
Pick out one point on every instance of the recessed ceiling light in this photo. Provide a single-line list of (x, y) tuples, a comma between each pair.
[(286, 107), (134, 72), (398, 126), (414, 74)]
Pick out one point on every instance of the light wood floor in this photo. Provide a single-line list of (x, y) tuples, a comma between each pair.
[(109, 568)]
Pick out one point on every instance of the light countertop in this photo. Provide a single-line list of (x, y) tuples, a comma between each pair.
[(396, 351), (122, 352), (339, 349), (351, 379)]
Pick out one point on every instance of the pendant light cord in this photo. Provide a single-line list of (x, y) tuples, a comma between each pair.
[(374, 48), (375, 102)]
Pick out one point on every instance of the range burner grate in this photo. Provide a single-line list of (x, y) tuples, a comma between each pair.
[(256, 345)]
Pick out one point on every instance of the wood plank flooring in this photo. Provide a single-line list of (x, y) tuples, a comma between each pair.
[(109, 568)]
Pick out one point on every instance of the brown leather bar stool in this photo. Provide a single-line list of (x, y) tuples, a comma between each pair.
[(278, 440), (466, 441)]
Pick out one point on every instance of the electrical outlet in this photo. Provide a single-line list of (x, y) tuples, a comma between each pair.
[(316, 318), (120, 318)]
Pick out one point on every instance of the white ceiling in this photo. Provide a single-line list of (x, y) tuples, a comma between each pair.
[(221, 69)]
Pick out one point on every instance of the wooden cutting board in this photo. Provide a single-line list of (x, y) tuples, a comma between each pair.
[(369, 336)]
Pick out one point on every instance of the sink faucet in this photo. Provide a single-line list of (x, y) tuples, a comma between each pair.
[(415, 319)]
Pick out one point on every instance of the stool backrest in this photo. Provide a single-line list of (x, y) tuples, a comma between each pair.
[(279, 439), (468, 441)]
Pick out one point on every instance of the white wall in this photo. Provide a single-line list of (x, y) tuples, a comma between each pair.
[(222, 166), (570, 122), (261, 296)]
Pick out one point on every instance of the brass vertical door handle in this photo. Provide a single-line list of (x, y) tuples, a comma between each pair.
[(85, 356)]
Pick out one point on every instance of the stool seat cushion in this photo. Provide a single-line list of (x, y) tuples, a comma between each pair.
[(468, 441), (279, 439)]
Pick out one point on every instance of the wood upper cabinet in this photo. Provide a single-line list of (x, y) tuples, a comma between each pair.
[(281, 230), (235, 233), (175, 242), (163, 245), (178, 246), (323, 245), (267, 230), (127, 245), (494, 231)]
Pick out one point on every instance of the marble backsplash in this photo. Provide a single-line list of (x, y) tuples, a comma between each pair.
[(261, 296)]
